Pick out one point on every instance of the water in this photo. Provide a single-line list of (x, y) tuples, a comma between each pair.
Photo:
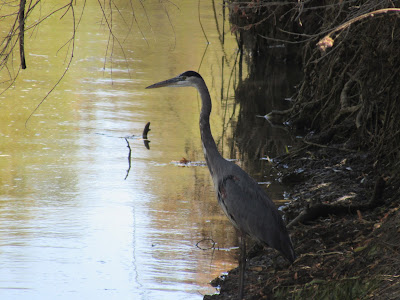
[(76, 220)]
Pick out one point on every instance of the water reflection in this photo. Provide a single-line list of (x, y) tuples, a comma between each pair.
[(256, 138), (72, 223)]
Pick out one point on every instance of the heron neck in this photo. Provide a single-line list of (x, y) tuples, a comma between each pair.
[(210, 149)]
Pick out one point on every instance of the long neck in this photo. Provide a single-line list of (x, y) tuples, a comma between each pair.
[(211, 153)]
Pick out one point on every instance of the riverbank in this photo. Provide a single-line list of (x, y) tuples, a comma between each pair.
[(341, 254), (344, 174)]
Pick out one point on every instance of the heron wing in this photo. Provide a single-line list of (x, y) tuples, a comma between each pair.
[(250, 209)]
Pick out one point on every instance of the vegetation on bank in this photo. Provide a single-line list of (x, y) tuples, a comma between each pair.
[(345, 173)]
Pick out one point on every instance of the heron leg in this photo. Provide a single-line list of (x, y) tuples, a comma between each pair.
[(242, 264)]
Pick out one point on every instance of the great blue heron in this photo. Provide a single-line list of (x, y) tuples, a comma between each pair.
[(243, 201)]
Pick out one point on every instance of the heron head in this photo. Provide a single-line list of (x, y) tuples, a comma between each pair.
[(188, 78)]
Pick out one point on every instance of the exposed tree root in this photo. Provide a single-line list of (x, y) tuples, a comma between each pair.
[(316, 211)]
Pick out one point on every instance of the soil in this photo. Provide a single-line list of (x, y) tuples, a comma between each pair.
[(344, 216), (342, 254)]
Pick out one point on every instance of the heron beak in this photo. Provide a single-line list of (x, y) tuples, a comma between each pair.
[(168, 82)]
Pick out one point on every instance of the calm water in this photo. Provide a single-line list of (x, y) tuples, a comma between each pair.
[(73, 222)]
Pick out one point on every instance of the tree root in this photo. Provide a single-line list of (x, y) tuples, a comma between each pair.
[(322, 210), (326, 146), (327, 41)]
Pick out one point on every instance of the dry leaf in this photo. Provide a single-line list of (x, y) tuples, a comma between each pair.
[(325, 43)]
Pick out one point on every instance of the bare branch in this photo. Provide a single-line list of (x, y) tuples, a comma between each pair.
[(327, 41), (66, 69), (22, 33)]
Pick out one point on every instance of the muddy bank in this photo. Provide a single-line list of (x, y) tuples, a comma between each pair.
[(343, 255), (344, 173)]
